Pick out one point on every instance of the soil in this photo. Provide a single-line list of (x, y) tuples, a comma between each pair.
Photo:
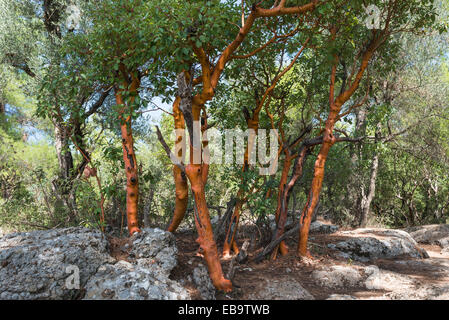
[(250, 276)]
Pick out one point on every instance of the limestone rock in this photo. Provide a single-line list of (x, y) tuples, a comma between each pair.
[(126, 281), (341, 297), (154, 248), (203, 282), (321, 227), (369, 244), (282, 289), (146, 276), (45, 265), (431, 234), (338, 277), (33, 265)]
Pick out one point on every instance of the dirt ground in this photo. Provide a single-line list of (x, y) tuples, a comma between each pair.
[(251, 276)]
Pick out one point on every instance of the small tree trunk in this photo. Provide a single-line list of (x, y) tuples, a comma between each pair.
[(253, 123), (366, 202), (129, 158), (281, 205), (287, 189), (147, 209), (232, 228), (204, 228), (65, 159), (182, 188)]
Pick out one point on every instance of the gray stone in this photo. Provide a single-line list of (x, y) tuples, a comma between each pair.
[(430, 234), (321, 227), (203, 282), (154, 248), (146, 277), (338, 277), (126, 281), (369, 244), (443, 242), (33, 264), (379, 279), (341, 297), (282, 289)]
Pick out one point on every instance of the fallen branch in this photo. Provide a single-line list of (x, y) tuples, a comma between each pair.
[(271, 246)]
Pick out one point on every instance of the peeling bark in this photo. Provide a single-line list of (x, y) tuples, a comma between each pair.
[(182, 188), (129, 158)]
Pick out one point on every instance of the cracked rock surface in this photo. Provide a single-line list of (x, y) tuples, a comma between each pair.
[(44, 264)]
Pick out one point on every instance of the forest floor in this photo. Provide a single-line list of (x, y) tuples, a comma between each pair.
[(252, 277)]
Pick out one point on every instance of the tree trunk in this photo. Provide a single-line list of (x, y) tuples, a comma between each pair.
[(182, 188), (147, 209), (129, 157), (281, 205), (204, 228), (65, 159), (366, 201), (317, 183), (285, 196), (355, 189), (63, 185), (197, 174), (253, 123)]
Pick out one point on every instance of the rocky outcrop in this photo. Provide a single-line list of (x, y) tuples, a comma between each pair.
[(341, 297), (282, 289), (145, 276), (370, 244), (36, 265), (127, 281), (321, 227), (46, 265), (203, 282), (373, 279), (338, 277), (431, 234)]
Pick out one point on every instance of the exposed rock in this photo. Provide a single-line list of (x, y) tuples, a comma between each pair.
[(146, 277), (341, 297), (369, 244), (126, 281), (154, 248), (443, 242), (418, 292), (431, 234), (44, 264), (338, 277), (379, 279), (33, 264), (282, 289), (203, 283), (321, 227)]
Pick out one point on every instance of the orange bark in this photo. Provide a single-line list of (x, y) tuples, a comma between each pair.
[(129, 157), (317, 182), (182, 188), (329, 140), (204, 228), (253, 123), (283, 248), (197, 176)]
